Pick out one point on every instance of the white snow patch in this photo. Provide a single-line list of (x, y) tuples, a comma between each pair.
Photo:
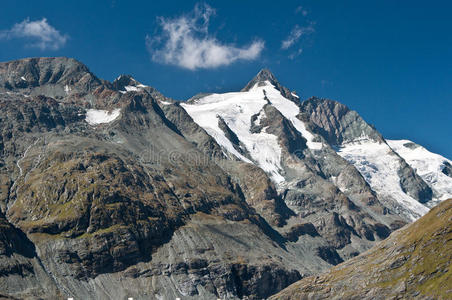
[(131, 88), (295, 95), (95, 116), (67, 89), (23, 78), (428, 166), (165, 102), (379, 165)]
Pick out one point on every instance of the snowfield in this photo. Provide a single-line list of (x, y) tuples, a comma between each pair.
[(427, 165), (95, 116), (236, 109), (378, 164)]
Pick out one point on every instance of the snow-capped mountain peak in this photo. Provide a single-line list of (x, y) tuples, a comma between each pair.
[(260, 79), (270, 125), (245, 110), (264, 77)]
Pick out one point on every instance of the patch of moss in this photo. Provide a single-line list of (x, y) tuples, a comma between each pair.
[(110, 229)]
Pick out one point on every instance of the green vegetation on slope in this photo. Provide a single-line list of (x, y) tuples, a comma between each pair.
[(413, 263)]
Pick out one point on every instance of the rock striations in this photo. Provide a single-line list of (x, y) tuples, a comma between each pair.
[(112, 190)]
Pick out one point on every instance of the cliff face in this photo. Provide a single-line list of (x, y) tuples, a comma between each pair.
[(112, 189)]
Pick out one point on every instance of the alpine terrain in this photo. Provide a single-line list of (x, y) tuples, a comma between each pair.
[(110, 190), (413, 263)]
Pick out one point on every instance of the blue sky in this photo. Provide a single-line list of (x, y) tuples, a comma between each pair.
[(389, 60)]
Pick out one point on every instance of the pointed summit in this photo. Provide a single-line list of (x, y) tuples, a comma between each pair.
[(260, 78), (126, 83), (124, 80), (265, 75)]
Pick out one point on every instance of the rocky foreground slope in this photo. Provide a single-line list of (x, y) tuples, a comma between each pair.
[(112, 190), (413, 263)]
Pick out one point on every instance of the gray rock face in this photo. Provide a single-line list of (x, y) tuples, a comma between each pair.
[(52, 77), (20, 269), (447, 169), (122, 81), (290, 139), (34, 72), (413, 185), (230, 135), (336, 123)]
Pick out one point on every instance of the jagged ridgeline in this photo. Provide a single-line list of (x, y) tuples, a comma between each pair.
[(112, 190)]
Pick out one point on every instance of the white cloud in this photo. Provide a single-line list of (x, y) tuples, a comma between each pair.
[(300, 10), (296, 53), (185, 42), (39, 33), (296, 33)]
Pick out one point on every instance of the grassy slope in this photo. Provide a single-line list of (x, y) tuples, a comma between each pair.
[(413, 262)]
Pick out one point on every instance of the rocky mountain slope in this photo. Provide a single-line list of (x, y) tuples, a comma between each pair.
[(413, 263), (114, 189), (318, 128)]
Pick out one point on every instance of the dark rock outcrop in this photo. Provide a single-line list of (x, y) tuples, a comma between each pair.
[(336, 123)]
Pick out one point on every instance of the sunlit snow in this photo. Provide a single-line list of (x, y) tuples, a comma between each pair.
[(95, 116), (427, 165), (379, 166), (236, 109), (131, 88)]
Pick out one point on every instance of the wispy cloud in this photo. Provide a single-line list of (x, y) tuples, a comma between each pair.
[(293, 43), (185, 41), (296, 53), (39, 34), (301, 10), (296, 33)]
